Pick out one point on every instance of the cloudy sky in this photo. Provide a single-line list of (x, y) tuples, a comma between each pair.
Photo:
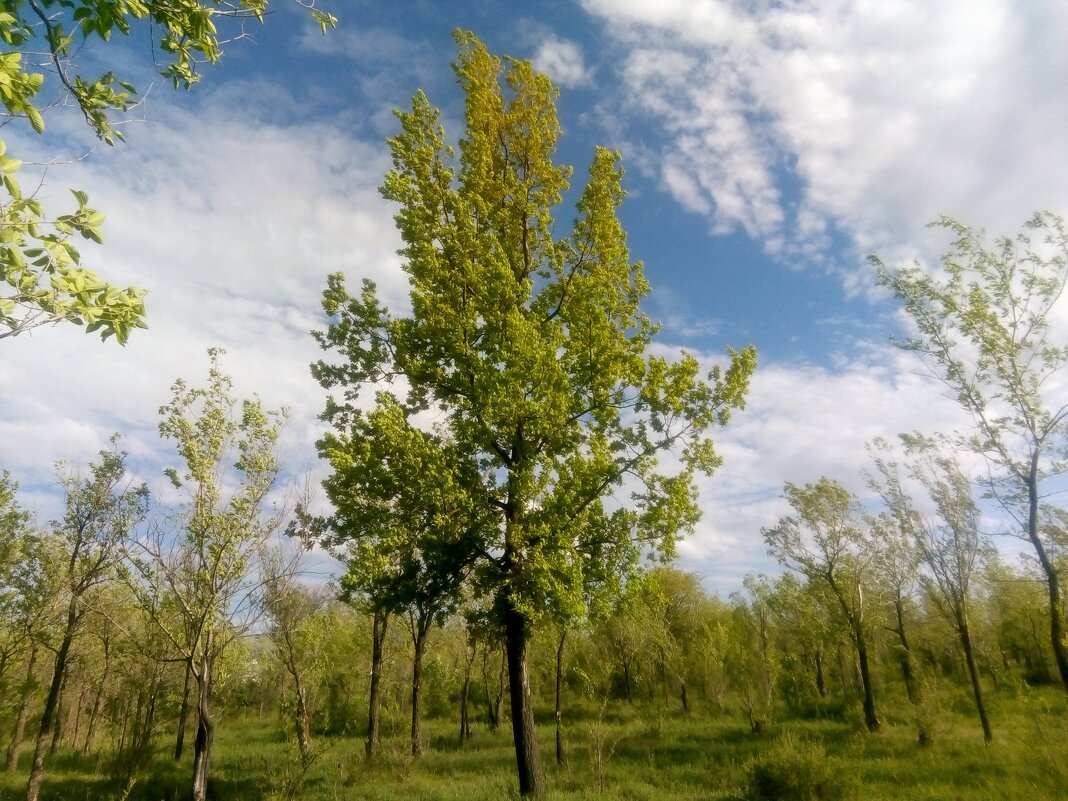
[(770, 148)]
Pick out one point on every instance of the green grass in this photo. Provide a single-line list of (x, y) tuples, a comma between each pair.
[(634, 753)]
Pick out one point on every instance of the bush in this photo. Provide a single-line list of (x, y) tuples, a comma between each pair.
[(794, 770)]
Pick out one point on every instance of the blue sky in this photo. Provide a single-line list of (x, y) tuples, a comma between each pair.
[(769, 148)]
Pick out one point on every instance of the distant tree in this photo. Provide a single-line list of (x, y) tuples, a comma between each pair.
[(199, 578), (402, 522), (949, 546), (100, 510), (39, 266), (985, 328), (532, 353), (825, 540)]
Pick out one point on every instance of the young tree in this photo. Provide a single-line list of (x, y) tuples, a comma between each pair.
[(985, 328), (100, 510), (402, 522), (531, 352), (825, 540), (200, 581), (949, 547), (39, 267)]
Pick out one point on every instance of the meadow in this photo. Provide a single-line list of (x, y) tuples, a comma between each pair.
[(637, 752)]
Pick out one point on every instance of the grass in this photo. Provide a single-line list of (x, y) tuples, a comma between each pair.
[(638, 753)]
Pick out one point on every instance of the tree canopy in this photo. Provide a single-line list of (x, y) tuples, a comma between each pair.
[(530, 350)]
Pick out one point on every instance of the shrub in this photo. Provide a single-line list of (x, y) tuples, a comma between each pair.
[(793, 770)]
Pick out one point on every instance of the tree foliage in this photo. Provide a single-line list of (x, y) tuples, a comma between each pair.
[(41, 271), (986, 327), (531, 351)]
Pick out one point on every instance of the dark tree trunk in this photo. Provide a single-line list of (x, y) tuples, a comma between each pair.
[(871, 720), (420, 627), (57, 719), (558, 711), (683, 697), (183, 714), (528, 761), (821, 682), (20, 717), (205, 739), (973, 673), (33, 787), (380, 622), (1056, 605), (906, 652)]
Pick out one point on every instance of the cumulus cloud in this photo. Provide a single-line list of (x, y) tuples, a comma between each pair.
[(232, 220), (562, 61), (802, 422), (794, 120)]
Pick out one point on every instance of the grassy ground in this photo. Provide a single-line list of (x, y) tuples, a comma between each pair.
[(633, 753)]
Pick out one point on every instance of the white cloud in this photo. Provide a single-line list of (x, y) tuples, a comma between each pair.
[(802, 422), (562, 61), (885, 113), (232, 219)]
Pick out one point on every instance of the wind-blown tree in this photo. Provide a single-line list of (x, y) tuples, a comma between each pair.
[(949, 546), (100, 510), (531, 352), (984, 326), (199, 579), (42, 278), (825, 540)]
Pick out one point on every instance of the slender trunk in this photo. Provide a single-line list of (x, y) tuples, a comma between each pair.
[(871, 720), (420, 626), (57, 719), (205, 738), (906, 652), (1056, 605), (80, 707), (821, 682), (528, 761), (558, 712), (973, 673), (183, 714), (683, 697), (379, 624), (626, 680), (465, 694), (33, 787), (20, 718), (302, 722)]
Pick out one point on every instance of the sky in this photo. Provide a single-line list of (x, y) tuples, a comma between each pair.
[(770, 147)]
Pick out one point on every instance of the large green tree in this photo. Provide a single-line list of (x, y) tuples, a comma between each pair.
[(985, 324), (531, 351), (42, 276)]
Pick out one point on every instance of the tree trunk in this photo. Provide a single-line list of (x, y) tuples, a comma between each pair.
[(183, 714), (906, 652), (871, 720), (821, 682), (33, 787), (1056, 606), (973, 672), (205, 738), (302, 723), (558, 712), (57, 719), (420, 627), (528, 761), (20, 718), (465, 694), (380, 622)]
